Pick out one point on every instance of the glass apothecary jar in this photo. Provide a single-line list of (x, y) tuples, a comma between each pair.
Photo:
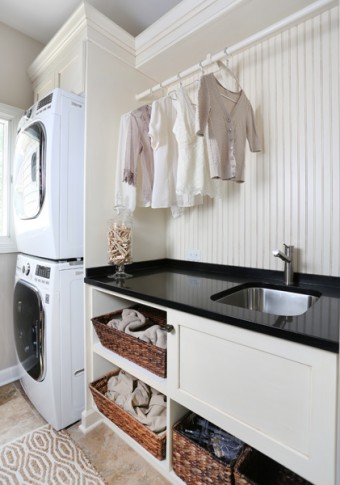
[(119, 239)]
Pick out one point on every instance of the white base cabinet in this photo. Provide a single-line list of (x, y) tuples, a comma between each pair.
[(278, 396)]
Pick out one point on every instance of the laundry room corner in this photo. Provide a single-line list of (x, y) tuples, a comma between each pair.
[(170, 284)]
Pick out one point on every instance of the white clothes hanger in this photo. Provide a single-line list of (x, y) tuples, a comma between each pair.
[(202, 68), (152, 98), (226, 68), (172, 93)]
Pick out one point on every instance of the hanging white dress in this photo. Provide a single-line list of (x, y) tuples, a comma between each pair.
[(193, 175), (164, 144)]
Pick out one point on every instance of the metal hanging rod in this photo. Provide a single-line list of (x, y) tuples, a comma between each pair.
[(267, 32)]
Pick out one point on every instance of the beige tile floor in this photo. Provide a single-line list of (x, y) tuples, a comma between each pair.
[(114, 459)]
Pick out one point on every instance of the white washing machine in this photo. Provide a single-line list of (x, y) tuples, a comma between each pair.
[(49, 336), (48, 177)]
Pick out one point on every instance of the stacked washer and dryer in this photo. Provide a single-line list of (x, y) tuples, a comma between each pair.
[(48, 305)]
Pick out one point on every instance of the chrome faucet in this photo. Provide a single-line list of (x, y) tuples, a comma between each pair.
[(288, 258)]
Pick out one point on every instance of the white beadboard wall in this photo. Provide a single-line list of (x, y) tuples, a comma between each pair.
[(292, 188)]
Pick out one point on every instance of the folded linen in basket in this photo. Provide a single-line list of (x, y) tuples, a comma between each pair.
[(138, 399), (134, 323)]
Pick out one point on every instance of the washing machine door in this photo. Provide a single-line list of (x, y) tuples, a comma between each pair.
[(28, 315), (29, 171)]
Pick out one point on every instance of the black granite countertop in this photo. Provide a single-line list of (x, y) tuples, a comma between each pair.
[(188, 287)]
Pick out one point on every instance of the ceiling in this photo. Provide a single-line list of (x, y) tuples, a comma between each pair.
[(41, 19)]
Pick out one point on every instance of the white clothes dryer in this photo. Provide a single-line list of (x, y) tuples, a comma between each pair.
[(49, 336), (48, 177)]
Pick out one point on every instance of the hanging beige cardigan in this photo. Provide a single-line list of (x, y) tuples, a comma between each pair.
[(227, 120)]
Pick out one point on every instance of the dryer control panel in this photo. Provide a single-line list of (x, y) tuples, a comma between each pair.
[(43, 271), (29, 269)]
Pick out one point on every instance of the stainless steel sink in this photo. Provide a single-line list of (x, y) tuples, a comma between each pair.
[(268, 299)]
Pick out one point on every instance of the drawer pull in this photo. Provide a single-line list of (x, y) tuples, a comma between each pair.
[(169, 328)]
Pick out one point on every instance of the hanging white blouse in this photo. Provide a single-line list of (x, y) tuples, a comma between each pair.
[(125, 194), (193, 174), (164, 144), (139, 155), (129, 153)]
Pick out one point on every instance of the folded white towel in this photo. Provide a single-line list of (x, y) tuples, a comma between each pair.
[(134, 323), (138, 399)]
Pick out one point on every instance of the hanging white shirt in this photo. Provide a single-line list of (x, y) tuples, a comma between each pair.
[(133, 151), (125, 194), (164, 144)]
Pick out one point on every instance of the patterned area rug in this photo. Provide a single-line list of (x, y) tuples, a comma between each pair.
[(46, 457)]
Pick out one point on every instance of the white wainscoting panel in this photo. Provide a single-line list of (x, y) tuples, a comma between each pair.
[(292, 188)]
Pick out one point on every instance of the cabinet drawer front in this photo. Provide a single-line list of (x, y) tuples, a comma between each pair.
[(269, 393)]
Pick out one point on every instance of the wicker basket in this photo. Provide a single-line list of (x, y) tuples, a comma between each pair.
[(194, 464), (254, 468), (152, 442), (144, 354)]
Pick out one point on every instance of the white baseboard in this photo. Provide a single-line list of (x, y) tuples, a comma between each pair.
[(89, 420), (10, 374)]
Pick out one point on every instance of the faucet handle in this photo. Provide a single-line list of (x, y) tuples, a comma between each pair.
[(288, 247), (289, 251)]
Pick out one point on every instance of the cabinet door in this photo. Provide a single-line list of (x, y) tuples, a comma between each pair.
[(277, 396), (70, 72), (46, 85), (65, 71)]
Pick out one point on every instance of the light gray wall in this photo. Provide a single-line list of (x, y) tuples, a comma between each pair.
[(111, 86), (17, 51), (7, 350)]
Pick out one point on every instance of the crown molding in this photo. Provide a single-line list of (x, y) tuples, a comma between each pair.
[(178, 25), (86, 23), (180, 22), (74, 26), (234, 20), (107, 34)]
